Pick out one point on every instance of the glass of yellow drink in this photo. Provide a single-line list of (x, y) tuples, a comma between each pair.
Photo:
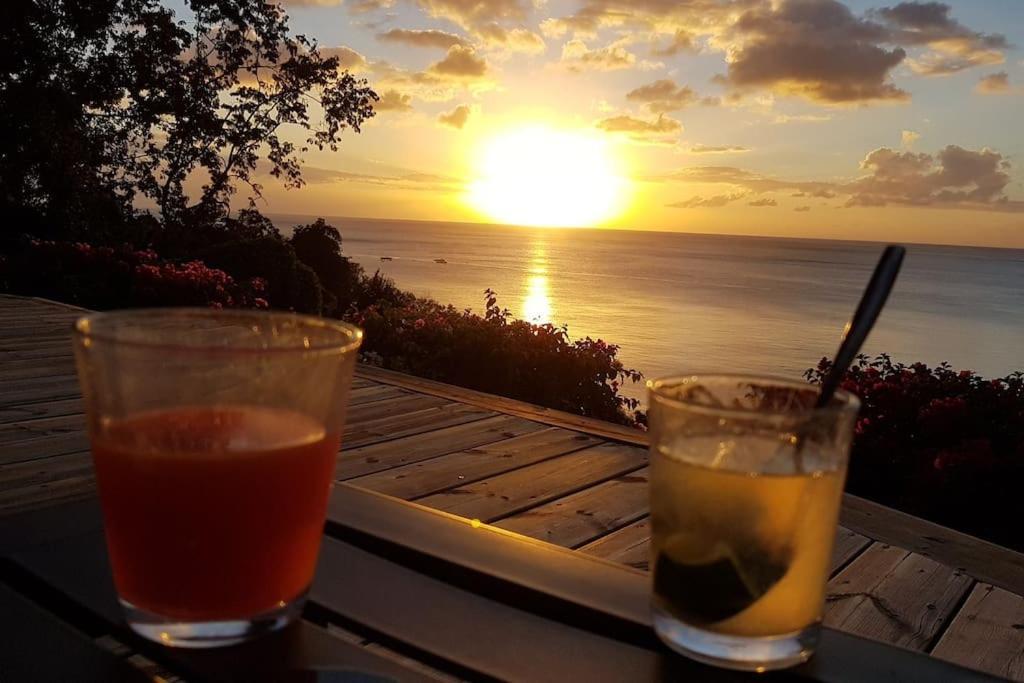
[(746, 482)]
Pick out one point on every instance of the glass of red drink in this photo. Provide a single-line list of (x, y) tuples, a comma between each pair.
[(214, 435)]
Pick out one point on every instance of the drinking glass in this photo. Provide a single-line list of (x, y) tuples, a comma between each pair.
[(746, 482), (214, 436)]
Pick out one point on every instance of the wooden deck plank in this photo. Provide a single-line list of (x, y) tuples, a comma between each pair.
[(379, 392), (419, 422), (464, 467), (981, 559), (630, 545), (34, 353), (987, 634), (43, 447), (38, 394), (50, 493), (364, 460), (32, 429), (40, 330), (506, 494), (894, 596), (575, 519), (395, 406), (848, 544), (32, 411), (44, 470), (54, 343), (8, 363), (62, 366)]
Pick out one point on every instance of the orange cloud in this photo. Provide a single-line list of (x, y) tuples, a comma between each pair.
[(952, 178), (392, 100), (460, 62), (720, 149), (997, 84), (715, 202), (456, 118), (663, 96), (576, 56), (425, 38), (514, 39), (348, 58)]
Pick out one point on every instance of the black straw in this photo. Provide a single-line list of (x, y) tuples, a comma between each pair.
[(871, 304)]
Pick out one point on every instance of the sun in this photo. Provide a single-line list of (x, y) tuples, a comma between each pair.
[(541, 176)]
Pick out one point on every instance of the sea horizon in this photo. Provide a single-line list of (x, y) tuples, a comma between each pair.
[(288, 220), (676, 301)]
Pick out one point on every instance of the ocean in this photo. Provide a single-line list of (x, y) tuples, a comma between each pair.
[(686, 302)]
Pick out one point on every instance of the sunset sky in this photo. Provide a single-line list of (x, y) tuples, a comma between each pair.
[(809, 118)]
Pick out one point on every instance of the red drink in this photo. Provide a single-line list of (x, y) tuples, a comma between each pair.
[(213, 513)]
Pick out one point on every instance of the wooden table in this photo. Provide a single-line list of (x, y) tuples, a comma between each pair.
[(570, 481), (437, 596)]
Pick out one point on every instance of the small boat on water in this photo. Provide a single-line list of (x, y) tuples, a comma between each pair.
[(386, 258), (440, 260)]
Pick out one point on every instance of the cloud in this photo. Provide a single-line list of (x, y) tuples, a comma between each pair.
[(996, 84), (402, 179), (802, 209), (681, 41), (348, 58), (765, 201), (576, 56), (712, 149), (666, 17), (366, 6), (715, 202), (818, 50), (460, 71), (515, 39), (392, 100), (940, 64), (661, 130), (782, 119), (814, 49), (662, 96), (741, 178), (456, 118), (424, 38), (473, 14), (954, 47), (460, 62), (312, 3), (953, 177), (908, 138)]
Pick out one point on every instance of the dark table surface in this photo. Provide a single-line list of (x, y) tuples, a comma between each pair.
[(466, 600)]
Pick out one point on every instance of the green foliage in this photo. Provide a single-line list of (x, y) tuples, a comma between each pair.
[(380, 290), (497, 354), (104, 102), (938, 443), (318, 245), (106, 277), (291, 285)]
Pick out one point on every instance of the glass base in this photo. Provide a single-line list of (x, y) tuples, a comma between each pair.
[(204, 634), (744, 653)]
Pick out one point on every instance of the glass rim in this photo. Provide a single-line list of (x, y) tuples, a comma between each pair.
[(842, 400), (353, 335)]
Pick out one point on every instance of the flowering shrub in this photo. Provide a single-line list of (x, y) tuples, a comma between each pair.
[(938, 443), (497, 354), (116, 277)]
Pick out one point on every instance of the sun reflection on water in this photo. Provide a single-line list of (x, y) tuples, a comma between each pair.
[(536, 306)]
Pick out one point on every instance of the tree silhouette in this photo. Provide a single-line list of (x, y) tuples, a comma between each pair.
[(109, 102)]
